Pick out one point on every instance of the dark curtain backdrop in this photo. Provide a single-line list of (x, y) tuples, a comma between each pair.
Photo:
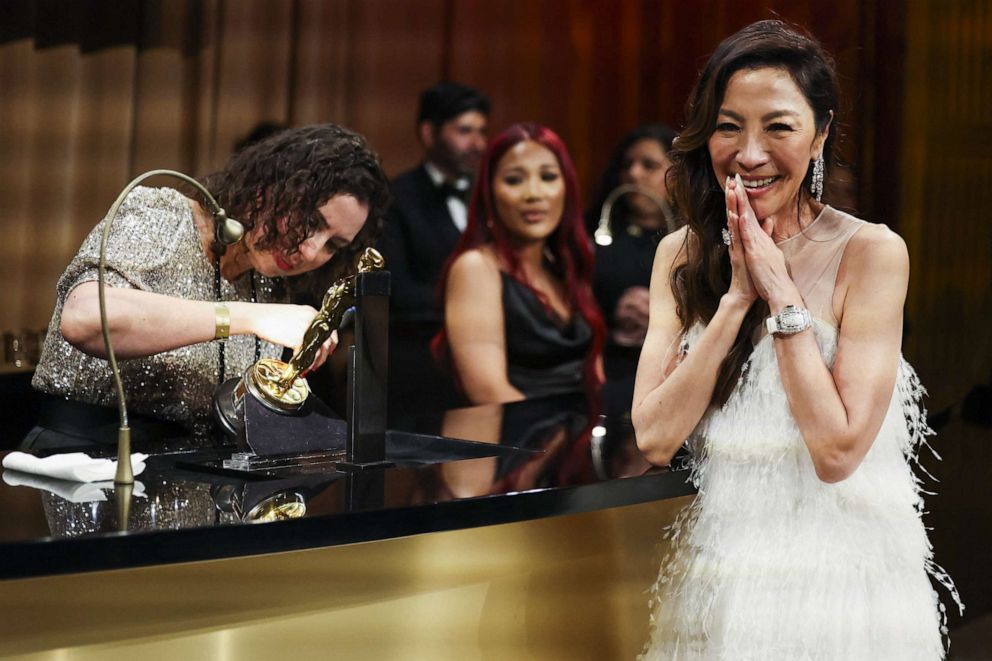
[(94, 93)]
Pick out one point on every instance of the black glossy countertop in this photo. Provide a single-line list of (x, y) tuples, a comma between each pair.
[(530, 459)]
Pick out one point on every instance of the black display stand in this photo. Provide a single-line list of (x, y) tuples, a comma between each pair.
[(368, 370), (271, 440), (278, 444)]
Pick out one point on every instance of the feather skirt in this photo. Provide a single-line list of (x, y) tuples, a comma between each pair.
[(769, 562)]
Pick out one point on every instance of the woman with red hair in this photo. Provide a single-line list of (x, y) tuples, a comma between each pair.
[(520, 317)]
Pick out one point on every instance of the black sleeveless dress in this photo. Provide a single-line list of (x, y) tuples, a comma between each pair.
[(544, 355)]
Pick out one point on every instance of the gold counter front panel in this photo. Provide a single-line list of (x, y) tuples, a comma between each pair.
[(572, 587)]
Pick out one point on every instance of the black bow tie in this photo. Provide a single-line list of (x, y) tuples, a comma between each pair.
[(450, 190)]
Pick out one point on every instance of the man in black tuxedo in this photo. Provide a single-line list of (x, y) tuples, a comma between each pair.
[(427, 217)]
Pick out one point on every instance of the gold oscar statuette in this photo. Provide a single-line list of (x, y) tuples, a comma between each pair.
[(278, 384)]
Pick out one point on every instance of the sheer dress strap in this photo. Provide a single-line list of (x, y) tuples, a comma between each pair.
[(814, 258)]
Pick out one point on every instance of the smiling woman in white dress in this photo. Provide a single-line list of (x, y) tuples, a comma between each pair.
[(774, 348)]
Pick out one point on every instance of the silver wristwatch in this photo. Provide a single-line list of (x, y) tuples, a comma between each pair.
[(791, 320)]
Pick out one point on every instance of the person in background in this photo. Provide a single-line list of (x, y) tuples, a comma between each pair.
[(774, 348), (623, 268), (186, 311), (424, 223), (520, 319)]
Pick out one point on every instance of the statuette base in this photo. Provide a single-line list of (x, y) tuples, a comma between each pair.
[(265, 381)]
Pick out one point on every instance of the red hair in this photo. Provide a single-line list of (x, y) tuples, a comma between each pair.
[(569, 244)]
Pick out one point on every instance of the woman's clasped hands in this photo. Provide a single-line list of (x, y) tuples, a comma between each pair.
[(758, 265)]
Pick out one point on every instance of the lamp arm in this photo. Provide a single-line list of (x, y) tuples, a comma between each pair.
[(603, 235), (125, 473)]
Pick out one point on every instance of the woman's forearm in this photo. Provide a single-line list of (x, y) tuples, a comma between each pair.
[(839, 410), (492, 391), (669, 412), (809, 386), (815, 404), (141, 323), (144, 323)]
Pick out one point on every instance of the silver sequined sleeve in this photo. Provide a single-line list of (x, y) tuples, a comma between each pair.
[(153, 246)]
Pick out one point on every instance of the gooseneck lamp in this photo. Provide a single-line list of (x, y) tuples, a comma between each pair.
[(604, 235), (228, 231)]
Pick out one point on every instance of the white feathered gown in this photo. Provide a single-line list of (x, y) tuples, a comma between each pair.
[(771, 563)]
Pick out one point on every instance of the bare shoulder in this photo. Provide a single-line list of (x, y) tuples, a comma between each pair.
[(672, 249), (478, 262), (669, 256), (877, 250), (477, 267), (875, 267)]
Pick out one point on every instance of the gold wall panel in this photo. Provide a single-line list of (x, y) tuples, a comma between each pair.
[(946, 193)]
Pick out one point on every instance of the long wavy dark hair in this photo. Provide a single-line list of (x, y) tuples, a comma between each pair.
[(569, 252), (293, 173), (705, 276)]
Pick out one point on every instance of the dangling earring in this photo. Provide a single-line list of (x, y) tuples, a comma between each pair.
[(816, 186)]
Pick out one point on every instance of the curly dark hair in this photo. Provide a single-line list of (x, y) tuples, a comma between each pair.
[(286, 178), (699, 283)]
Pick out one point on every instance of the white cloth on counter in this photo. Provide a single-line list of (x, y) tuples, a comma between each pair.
[(74, 492), (75, 466)]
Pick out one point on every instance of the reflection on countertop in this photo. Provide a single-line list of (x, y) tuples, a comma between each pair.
[(570, 445), (532, 453)]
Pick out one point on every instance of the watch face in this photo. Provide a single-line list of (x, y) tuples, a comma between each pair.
[(792, 318)]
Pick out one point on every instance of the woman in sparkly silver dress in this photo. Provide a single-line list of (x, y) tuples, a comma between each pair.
[(310, 199)]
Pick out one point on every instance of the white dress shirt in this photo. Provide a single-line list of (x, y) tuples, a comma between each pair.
[(456, 206)]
